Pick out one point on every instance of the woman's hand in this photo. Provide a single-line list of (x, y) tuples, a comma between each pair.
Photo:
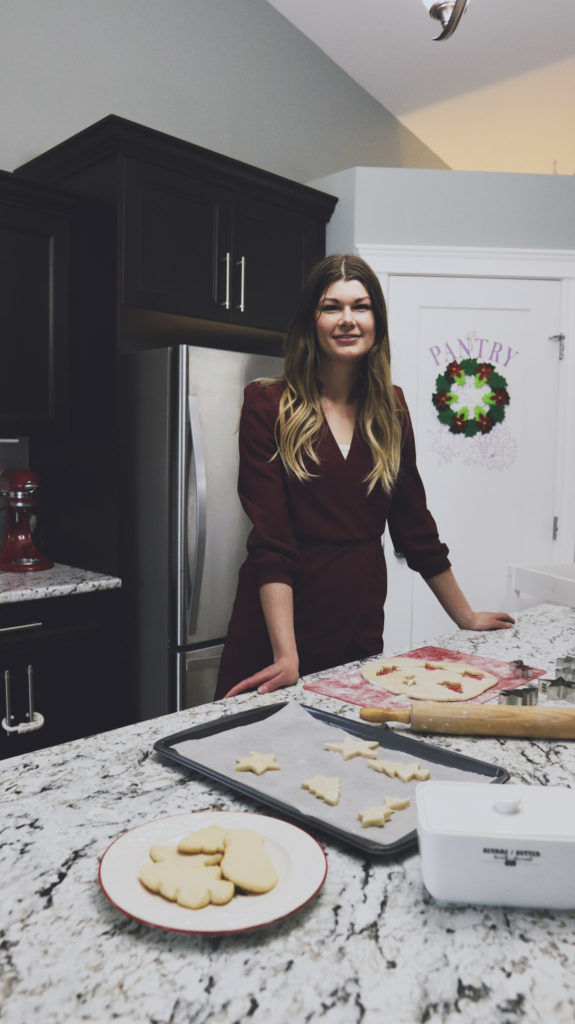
[(283, 672), (453, 600), (489, 620), (277, 606)]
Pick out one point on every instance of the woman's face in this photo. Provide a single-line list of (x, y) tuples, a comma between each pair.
[(345, 323)]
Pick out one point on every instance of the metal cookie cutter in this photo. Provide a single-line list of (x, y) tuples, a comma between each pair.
[(525, 695), (558, 689), (565, 668), (521, 669)]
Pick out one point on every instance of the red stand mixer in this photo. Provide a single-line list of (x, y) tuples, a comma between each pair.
[(19, 552)]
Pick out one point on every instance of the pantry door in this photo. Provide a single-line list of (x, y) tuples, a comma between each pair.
[(481, 378)]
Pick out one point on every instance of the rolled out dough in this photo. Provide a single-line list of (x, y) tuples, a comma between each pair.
[(428, 680)]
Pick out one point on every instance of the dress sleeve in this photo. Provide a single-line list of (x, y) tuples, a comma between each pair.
[(411, 526), (272, 547)]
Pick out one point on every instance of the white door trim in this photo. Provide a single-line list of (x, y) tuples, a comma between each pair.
[(540, 264), (469, 261)]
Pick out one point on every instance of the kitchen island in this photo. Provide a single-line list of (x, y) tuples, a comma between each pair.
[(372, 946)]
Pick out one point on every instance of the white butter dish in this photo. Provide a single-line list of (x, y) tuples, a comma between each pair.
[(504, 845)]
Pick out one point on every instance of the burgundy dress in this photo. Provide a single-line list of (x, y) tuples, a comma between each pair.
[(323, 537)]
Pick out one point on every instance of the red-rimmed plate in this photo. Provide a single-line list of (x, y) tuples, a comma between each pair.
[(299, 860)]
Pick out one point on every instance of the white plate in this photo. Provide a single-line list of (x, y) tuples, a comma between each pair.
[(298, 859)]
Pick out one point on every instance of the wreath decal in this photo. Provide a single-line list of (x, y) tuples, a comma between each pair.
[(470, 397)]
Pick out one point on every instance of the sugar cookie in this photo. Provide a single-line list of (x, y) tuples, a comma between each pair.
[(379, 814), (353, 748), (193, 860), (375, 814), (205, 840), (246, 862), (407, 771), (325, 787), (257, 763), (192, 887)]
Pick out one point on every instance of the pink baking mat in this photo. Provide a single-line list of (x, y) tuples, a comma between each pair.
[(354, 689)]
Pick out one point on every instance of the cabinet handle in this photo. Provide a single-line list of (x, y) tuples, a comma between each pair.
[(25, 625), (9, 716), (35, 720), (241, 263), (227, 261), (30, 672)]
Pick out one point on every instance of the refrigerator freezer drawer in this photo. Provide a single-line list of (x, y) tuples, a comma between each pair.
[(199, 675)]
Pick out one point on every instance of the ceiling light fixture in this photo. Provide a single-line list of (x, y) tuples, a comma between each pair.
[(448, 12)]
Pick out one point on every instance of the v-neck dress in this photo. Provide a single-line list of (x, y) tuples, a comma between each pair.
[(323, 538)]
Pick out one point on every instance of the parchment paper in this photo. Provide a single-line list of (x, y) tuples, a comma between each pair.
[(297, 739)]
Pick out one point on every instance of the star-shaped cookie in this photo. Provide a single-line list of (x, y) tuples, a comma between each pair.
[(353, 748), (257, 763), (379, 814), (375, 814)]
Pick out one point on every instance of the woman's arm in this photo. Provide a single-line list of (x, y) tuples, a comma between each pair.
[(455, 603), (277, 606)]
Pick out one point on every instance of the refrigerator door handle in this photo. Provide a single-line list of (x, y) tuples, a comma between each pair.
[(197, 549)]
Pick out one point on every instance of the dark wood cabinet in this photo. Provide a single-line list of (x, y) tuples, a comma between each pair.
[(34, 247), (194, 234), (65, 651), (163, 233), (174, 238), (194, 248)]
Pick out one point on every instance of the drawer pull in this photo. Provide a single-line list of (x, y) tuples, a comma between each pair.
[(25, 625)]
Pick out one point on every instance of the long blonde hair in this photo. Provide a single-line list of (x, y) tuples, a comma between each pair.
[(301, 420)]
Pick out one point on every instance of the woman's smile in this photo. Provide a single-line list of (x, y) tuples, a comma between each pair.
[(345, 324)]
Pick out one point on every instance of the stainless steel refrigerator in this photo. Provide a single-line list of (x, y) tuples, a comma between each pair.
[(184, 528)]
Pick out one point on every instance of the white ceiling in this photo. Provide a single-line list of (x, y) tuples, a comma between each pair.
[(498, 96)]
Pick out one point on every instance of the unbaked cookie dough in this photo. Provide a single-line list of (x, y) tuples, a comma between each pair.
[(325, 787), (428, 680), (349, 748), (406, 771), (257, 763), (379, 814)]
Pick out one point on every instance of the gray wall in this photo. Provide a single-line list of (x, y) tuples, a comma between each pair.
[(231, 75), (387, 206)]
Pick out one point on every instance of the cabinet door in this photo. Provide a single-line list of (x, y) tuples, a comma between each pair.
[(33, 319), (174, 253), (51, 669), (273, 249), (68, 649)]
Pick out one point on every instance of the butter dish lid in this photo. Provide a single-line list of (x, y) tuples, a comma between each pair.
[(484, 809)]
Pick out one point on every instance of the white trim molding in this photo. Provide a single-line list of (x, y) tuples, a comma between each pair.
[(469, 261)]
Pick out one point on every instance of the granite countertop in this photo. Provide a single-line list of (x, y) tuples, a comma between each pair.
[(372, 946), (60, 581)]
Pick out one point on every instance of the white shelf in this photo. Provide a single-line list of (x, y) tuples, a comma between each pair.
[(552, 583)]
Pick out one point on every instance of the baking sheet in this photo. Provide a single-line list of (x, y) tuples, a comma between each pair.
[(297, 735), (351, 687)]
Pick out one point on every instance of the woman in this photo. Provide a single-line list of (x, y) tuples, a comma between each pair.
[(327, 459)]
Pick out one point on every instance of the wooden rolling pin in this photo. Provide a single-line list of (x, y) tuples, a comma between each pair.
[(480, 719)]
